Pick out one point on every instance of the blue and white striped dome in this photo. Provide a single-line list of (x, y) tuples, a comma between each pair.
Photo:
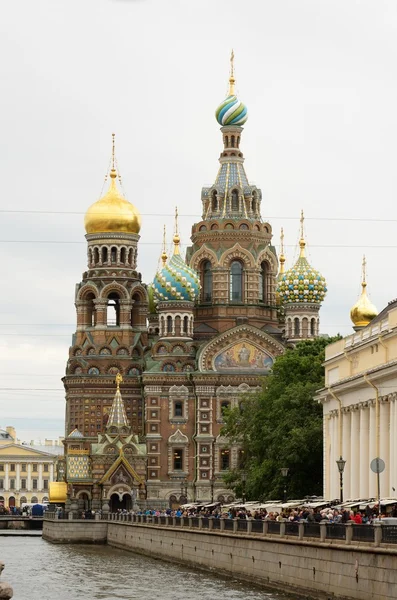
[(231, 112)]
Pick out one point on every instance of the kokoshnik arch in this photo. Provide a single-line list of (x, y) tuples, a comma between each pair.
[(187, 345)]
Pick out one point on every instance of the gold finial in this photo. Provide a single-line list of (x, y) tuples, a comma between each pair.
[(302, 242), (176, 239), (119, 379), (364, 279), (164, 253), (113, 173), (282, 256), (232, 80)]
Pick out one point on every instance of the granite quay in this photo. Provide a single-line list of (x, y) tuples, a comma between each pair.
[(313, 560)]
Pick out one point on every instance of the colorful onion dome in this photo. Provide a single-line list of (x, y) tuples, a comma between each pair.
[(112, 213), (302, 283), (363, 311), (176, 280), (231, 111)]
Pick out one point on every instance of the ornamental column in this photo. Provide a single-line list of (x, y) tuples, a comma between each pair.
[(372, 481), (354, 452), (364, 452), (384, 448), (346, 454)]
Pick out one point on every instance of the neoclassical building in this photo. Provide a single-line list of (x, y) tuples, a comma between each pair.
[(360, 403), (189, 344)]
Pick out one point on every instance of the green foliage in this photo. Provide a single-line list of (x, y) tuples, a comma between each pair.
[(281, 426)]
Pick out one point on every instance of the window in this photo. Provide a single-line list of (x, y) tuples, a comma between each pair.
[(296, 327), (12, 467), (45, 468), (23, 467), (1, 484), (312, 327), (225, 459), (264, 283), (178, 460), (23, 484), (1, 467), (12, 484), (113, 254), (214, 202), (234, 200), (45, 484), (186, 325), (178, 409), (236, 281), (34, 484), (206, 281), (225, 405), (113, 310), (169, 324), (34, 468)]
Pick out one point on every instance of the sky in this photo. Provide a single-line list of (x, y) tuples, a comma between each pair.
[(319, 80)]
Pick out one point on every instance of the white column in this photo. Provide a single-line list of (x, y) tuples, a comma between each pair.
[(354, 453), (326, 459), (392, 479), (51, 477), (40, 478), (393, 434), (6, 477), (372, 492), (18, 477), (346, 455), (29, 481), (334, 473), (364, 452), (384, 448)]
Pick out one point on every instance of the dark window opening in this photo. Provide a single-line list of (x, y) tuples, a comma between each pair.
[(225, 459), (113, 254), (206, 281), (113, 310), (178, 460), (236, 281), (234, 200), (215, 201), (169, 324), (178, 409)]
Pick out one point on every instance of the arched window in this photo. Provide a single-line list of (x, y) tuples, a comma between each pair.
[(225, 459), (122, 255), (130, 256), (104, 255), (113, 310), (296, 327), (214, 201), (90, 308), (264, 283), (96, 256), (238, 141), (305, 327), (235, 200), (113, 254), (169, 324), (206, 281), (254, 202), (236, 281), (185, 325), (313, 327), (226, 141), (233, 141)]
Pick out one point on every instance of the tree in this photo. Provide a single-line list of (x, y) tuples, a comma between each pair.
[(282, 426)]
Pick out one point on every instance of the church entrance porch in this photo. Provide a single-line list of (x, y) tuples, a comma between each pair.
[(124, 503)]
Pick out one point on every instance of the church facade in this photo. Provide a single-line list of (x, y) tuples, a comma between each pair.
[(187, 346)]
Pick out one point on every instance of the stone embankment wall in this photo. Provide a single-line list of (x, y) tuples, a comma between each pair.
[(313, 569)]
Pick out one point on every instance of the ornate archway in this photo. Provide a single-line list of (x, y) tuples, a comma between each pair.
[(120, 501)]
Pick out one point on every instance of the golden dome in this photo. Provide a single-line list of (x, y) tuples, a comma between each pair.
[(363, 311), (112, 213)]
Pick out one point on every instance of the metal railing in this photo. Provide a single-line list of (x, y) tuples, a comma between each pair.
[(373, 535)]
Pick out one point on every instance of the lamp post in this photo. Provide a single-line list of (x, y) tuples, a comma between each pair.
[(341, 467), (284, 473), (244, 481)]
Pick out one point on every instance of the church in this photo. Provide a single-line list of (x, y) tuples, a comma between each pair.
[(153, 366)]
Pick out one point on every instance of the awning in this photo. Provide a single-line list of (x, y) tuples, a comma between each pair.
[(58, 491)]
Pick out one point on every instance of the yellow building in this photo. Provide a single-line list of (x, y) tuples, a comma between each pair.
[(360, 403), (25, 474)]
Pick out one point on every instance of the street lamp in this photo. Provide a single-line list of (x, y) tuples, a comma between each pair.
[(341, 467), (284, 473), (244, 481)]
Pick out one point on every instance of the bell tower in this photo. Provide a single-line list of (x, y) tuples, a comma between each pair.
[(232, 246), (111, 305)]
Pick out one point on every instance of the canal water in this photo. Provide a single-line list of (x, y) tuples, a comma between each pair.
[(38, 570)]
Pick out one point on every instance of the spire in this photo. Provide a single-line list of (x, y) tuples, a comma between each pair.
[(364, 274), (164, 252), (302, 243), (117, 415), (232, 80), (176, 238), (113, 172), (282, 255)]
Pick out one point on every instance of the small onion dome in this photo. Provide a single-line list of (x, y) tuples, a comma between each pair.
[(363, 311), (231, 112), (176, 280), (302, 283), (112, 213)]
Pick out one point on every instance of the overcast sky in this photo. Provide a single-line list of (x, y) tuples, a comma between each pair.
[(319, 80)]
